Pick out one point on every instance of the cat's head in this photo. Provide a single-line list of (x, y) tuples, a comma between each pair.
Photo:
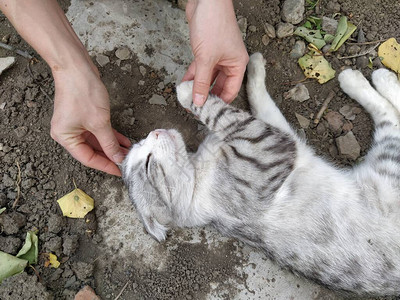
[(156, 171)]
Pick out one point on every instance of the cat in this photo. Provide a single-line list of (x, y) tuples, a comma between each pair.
[(254, 179)]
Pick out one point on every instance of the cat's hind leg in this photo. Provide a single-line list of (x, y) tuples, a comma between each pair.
[(261, 103)]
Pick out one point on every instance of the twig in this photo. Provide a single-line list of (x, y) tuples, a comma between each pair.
[(324, 106), (123, 289), (20, 52), (362, 53), (37, 273), (366, 43), (18, 182)]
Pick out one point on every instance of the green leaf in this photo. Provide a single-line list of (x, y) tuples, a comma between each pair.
[(312, 36), (29, 250), (308, 25), (328, 38), (340, 32), (10, 265), (370, 64), (2, 209), (350, 29)]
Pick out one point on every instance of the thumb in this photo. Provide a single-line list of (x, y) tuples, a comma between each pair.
[(202, 82), (109, 143)]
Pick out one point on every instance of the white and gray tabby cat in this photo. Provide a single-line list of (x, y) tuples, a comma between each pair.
[(254, 179)]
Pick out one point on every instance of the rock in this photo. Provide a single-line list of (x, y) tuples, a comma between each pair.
[(8, 181), (10, 244), (141, 82), (353, 49), (161, 85), (335, 121), (329, 25), (377, 63), (298, 93), (70, 244), (252, 28), (361, 36), (102, 59), (21, 131), (6, 62), (362, 62), (3, 200), (303, 121), (51, 185), (142, 70), (87, 293), (127, 67), (298, 50), (242, 23), (55, 223), (347, 112), (348, 146), (270, 30), (348, 126), (82, 270), (265, 40), (12, 222), (123, 53), (284, 30), (333, 7), (5, 39), (31, 93), (158, 100), (292, 11)]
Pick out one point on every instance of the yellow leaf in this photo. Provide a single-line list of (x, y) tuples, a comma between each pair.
[(389, 52), (51, 261), (76, 204), (316, 66)]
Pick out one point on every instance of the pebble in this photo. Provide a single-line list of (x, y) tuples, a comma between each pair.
[(142, 70), (127, 68), (284, 30), (333, 7), (55, 223), (265, 39), (161, 85), (8, 181), (348, 146), (123, 53), (252, 28), (377, 63), (51, 185), (353, 49), (270, 30), (292, 11), (158, 100), (5, 39), (335, 121), (102, 59), (329, 25), (242, 23), (348, 126), (141, 82), (347, 112), (6, 62), (298, 50), (86, 293), (303, 121), (362, 62), (20, 132), (361, 36), (298, 93)]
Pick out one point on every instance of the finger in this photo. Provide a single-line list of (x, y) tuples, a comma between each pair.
[(92, 159), (189, 75), (231, 88), (123, 140), (202, 81), (109, 143), (219, 84)]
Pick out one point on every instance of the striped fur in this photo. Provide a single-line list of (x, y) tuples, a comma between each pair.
[(253, 178)]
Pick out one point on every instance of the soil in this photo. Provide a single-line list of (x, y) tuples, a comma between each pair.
[(47, 170)]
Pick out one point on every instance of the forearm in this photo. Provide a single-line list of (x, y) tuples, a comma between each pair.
[(44, 26)]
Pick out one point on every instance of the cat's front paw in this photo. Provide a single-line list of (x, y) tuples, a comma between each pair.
[(351, 81), (184, 93)]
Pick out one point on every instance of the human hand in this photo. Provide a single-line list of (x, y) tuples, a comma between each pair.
[(218, 48), (81, 120)]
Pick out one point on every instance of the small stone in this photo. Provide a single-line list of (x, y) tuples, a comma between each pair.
[(55, 223), (348, 146), (6, 62), (242, 23), (362, 62), (51, 185), (356, 110), (161, 85), (377, 63), (298, 93), (5, 38), (333, 7), (86, 293), (252, 28), (348, 126), (20, 132), (335, 121), (8, 181), (298, 50), (270, 30), (127, 68), (158, 100), (142, 70), (265, 40), (329, 25), (123, 53), (141, 82), (347, 112), (82, 270), (353, 49), (3, 105), (284, 30), (102, 59), (321, 128), (303, 121), (292, 11), (361, 36), (31, 104)]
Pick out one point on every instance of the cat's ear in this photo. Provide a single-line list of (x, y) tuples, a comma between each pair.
[(155, 229)]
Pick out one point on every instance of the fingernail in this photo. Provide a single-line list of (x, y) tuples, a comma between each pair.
[(198, 100), (118, 158)]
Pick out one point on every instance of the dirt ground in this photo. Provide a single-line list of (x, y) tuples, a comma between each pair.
[(47, 170)]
